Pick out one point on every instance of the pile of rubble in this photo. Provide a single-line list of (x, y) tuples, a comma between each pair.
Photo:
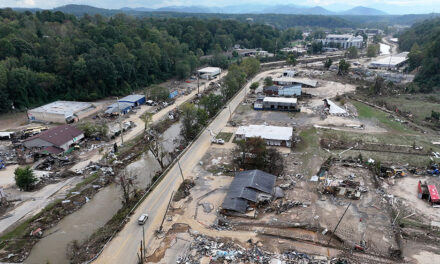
[(229, 252), (348, 187)]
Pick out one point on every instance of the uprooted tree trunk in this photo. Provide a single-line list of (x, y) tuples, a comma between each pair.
[(127, 181), (156, 148)]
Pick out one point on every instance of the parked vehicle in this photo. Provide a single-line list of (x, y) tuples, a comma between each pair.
[(218, 141), (142, 219)]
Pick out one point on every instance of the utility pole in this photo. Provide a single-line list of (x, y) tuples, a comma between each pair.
[(180, 168), (230, 113), (198, 84), (120, 122), (143, 239), (163, 219), (340, 219)]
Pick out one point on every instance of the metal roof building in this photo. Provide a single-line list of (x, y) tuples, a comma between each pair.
[(246, 187), (392, 62), (117, 108), (60, 137), (209, 72), (273, 135), (293, 81), (294, 90), (280, 104), (134, 99), (61, 111)]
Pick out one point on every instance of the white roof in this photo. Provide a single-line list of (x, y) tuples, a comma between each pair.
[(340, 36), (335, 109), (209, 70), (280, 100), (67, 108), (266, 132), (391, 60), (304, 81)]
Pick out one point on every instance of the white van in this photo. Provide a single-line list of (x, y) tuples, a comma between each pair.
[(142, 219)]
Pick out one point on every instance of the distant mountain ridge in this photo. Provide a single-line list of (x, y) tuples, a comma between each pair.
[(235, 9)]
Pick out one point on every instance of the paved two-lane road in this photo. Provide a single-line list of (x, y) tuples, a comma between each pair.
[(125, 246)]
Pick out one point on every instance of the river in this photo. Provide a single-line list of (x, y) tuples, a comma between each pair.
[(100, 209)]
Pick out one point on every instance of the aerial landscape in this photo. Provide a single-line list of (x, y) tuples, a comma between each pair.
[(275, 132)]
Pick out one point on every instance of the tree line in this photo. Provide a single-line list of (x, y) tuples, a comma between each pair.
[(422, 40), (195, 117), (47, 56)]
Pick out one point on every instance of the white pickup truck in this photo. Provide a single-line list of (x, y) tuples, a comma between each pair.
[(218, 141)]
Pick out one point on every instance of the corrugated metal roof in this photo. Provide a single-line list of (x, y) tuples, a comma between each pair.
[(114, 107), (132, 98), (58, 135), (245, 187), (266, 132)]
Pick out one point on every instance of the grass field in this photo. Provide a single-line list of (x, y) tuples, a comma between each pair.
[(420, 105), (367, 112), (225, 136)]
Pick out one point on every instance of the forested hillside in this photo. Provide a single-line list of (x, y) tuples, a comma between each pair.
[(50, 55), (423, 42)]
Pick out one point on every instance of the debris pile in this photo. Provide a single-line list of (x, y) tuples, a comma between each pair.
[(229, 252)]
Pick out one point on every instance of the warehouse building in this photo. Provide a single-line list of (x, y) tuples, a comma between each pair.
[(209, 73), (280, 104), (134, 99), (55, 140), (290, 91), (119, 108), (343, 41), (248, 189), (273, 135), (286, 91), (393, 62), (289, 81), (62, 112)]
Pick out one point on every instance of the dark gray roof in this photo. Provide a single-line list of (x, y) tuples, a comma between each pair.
[(245, 187)]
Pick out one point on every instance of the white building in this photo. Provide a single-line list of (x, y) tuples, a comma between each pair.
[(209, 73), (293, 81), (62, 112), (392, 62), (273, 135), (344, 41)]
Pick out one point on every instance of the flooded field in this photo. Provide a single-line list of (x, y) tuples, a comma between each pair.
[(93, 215)]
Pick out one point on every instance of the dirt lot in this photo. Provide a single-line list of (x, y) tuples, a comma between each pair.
[(304, 219)]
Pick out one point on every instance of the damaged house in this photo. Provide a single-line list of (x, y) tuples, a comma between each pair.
[(55, 140), (248, 189)]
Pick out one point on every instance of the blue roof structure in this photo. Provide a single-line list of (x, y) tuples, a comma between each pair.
[(133, 98), (125, 107)]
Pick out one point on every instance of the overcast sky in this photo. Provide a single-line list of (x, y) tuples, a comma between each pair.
[(390, 6)]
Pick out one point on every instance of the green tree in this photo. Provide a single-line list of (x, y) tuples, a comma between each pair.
[(343, 67), (352, 52), (183, 69), (190, 124), (291, 59), (250, 66), (328, 62), (211, 103), (268, 81), (372, 50), (24, 178), (254, 85), (158, 93)]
